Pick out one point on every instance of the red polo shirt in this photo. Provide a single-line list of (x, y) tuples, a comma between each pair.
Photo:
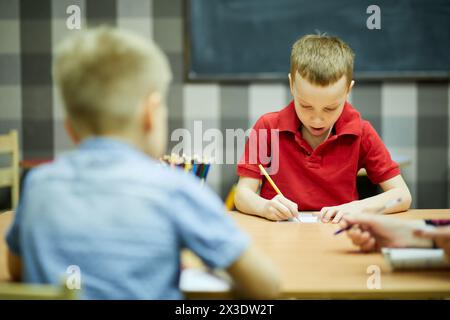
[(322, 177)]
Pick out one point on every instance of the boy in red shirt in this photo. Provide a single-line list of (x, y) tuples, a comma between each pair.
[(317, 144)]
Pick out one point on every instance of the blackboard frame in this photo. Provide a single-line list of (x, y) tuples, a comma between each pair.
[(366, 77)]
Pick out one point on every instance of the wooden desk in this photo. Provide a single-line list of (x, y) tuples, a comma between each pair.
[(315, 264)]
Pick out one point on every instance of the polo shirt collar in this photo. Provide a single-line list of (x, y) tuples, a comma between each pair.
[(288, 119), (104, 143), (348, 123)]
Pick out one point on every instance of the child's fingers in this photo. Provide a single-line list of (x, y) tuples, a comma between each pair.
[(271, 214), (283, 211), (279, 215), (349, 219), (364, 220), (354, 233), (355, 240), (365, 236), (292, 206), (369, 245), (338, 216), (433, 233), (275, 215), (364, 227), (343, 223), (358, 237), (331, 212), (322, 212)]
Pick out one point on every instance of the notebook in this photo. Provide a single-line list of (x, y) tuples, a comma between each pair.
[(410, 258)]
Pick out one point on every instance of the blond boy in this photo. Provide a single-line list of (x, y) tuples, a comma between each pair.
[(108, 208)]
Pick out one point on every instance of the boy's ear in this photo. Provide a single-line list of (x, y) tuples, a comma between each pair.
[(150, 105), (350, 87), (71, 131), (290, 81)]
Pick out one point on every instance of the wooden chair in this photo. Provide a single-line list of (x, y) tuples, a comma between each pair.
[(20, 291), (9, 176)]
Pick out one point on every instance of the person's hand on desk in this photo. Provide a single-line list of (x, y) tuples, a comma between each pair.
[(248, 200), (334, 214), (280, 208), (395, 198), (440, 235), (373, 232)]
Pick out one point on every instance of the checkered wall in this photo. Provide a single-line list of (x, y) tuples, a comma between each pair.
[(412, 117)]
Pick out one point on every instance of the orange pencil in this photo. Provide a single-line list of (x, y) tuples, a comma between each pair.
[(274, 186)]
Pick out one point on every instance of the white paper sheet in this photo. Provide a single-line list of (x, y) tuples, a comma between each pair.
[(304, 218), (201, 280), (410, 258)]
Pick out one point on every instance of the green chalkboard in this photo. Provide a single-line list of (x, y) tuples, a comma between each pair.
[(252, 39)]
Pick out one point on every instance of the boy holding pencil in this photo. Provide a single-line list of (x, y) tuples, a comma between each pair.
[(108, 207), (322, 142)]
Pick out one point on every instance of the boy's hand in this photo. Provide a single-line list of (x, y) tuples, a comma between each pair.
[(280, 208), (371, 232), (335, 214), (441, 236)]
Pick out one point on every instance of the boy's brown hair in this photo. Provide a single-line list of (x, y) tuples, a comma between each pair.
[(322, 59)]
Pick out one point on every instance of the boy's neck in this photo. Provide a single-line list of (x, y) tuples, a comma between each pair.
[(125, 138), (314, 141)]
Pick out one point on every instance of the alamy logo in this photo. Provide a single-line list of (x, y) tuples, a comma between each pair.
[(212, 144), (73, 281), (74, 20), (374, 20), (374, 280)]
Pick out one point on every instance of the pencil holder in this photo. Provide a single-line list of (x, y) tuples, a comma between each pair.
[(194, 165)]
